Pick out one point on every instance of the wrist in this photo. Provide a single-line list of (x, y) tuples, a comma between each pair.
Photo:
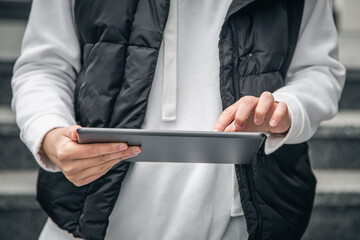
[(49, 142)]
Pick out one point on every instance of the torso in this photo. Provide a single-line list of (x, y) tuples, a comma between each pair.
[(182, 201)]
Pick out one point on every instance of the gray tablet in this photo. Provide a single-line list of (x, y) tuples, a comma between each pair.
[(180, 146)]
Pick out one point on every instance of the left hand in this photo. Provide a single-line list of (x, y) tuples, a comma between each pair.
[(252, 114)]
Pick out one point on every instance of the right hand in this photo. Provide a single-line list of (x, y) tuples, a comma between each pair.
[(83, 163)]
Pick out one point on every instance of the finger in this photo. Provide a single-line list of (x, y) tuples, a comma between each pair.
[(279, 113), (83, 164), (99, 169), (266, 100), (230, 128), (226, 117), (91, 178), (246, 107), (82, 151), (71, 132)]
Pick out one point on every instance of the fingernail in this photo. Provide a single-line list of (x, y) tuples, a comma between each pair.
[(135, 151), (122, 147), (273, 123), (216, 130), (258, 121)]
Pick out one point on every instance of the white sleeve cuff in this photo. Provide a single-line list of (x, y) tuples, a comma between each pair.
[(34, 134), (275, 141)]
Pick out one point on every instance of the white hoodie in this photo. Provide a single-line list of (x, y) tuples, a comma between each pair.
[(173, 201)]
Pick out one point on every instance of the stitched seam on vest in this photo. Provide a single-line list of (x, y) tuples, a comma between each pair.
[(258, 74), (125, 62), (126, 44)]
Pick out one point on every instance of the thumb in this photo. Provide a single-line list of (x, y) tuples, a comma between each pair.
[(71, 132)]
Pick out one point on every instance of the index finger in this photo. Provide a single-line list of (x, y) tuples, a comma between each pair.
[(90, 150), (226, 117), (244, 111)]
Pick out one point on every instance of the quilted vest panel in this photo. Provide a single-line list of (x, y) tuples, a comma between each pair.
[(256, 46)]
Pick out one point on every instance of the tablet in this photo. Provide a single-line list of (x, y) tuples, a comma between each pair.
[(180, 146)]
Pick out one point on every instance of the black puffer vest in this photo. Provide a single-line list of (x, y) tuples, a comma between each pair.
[(120, 41)]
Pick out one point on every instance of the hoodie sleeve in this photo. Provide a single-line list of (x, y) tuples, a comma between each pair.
[(315, 78), (44, 75)]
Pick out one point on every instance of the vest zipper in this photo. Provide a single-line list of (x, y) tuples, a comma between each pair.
[(236, 6)]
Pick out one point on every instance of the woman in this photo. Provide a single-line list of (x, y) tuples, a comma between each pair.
[(107, 63)]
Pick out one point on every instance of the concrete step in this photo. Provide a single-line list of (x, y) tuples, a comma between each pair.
[(335, 215), (21, 216), (335, 144), (11, 35), (5, 83), (350, 98), (15, 9), (337, 206), (349, 46), (13, 152)]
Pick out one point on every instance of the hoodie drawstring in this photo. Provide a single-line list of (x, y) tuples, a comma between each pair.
[(169, 97)]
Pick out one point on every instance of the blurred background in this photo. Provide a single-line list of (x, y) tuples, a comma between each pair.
[(335, 148)]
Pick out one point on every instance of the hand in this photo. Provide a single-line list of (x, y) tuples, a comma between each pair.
[(83, 163), (252, 114)]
